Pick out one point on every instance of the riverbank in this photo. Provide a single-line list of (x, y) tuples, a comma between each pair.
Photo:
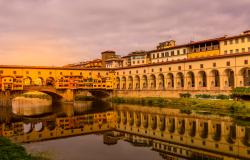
[(215, 106), (9, 151)]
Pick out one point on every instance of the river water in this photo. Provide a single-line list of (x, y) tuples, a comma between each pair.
[(101, 130)]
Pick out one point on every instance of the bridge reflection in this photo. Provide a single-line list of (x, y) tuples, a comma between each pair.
[(167, 131)]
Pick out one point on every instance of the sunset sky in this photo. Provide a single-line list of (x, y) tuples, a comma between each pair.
[(58, 32)]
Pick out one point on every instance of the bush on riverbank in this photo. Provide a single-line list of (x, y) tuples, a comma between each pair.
[(185, 95), (208, 96), (153, 101), (11, 151)]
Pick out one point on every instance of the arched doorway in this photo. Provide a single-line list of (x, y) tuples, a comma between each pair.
[(123, 82), (170, 80), (202, 79), (190, 80), (229, 78), (38, 81), (137, 82), (215, 78), (245, 75), (27, 81), (161, 82), (50, 81), (144, 82), (180, 80), (117, 83), (130, 82), (152, 82)]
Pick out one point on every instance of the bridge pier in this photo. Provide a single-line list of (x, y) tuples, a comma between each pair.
[(68, 95)]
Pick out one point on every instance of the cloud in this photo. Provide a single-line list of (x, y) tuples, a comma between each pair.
[(57, 32)]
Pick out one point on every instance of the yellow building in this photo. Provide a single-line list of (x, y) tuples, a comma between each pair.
[(236, 44), (204, 48)]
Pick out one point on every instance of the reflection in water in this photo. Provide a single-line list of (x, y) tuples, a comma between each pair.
[(174, 135)]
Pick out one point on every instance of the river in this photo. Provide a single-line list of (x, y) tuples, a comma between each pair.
[(101, 130)]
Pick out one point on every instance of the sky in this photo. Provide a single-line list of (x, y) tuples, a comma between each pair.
[(59, 32)]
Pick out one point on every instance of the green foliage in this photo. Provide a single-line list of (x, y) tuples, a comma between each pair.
[(185, 95), (208, 96), (11, 151), (152, 101), (241, 91)]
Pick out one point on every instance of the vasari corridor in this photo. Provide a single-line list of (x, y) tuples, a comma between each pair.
[(124, 80)]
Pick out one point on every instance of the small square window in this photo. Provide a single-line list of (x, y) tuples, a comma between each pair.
[(236, 41), (225, 43), (152, 70), (39, 73), (190, 66), (204, 143), (214, 64), (160, 69), (201, 65), (228, 63), (1, 71), (129, 72), (169, 68), (231, 51), (216, 145), (179, 67), (243, 50), (243, 39), (144, 71), (14, 72), (246, 61), (230, 148), (225, 52)]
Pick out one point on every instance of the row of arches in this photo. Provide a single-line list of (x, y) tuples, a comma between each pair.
[(201, 79), (190, 127), (50, 81)]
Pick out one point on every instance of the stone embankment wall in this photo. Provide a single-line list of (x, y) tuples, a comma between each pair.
[(161, 93)]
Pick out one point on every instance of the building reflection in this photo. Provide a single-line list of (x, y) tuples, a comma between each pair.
[(173, 134)]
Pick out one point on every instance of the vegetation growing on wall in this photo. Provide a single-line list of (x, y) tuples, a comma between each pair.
[(36, 95)]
